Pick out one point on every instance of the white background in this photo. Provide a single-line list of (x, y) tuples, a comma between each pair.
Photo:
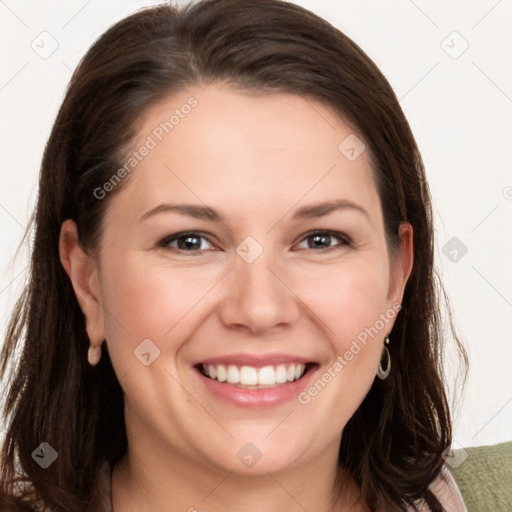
[(460, 110)]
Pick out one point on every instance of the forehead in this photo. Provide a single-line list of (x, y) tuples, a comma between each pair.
[(229, 147)]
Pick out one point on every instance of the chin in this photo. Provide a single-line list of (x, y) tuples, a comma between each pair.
[(258, 457)]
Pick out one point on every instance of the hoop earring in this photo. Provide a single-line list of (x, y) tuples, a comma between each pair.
[(94, 355), (381, 373)]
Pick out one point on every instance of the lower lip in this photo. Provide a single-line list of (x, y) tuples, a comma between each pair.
[(266, 397)]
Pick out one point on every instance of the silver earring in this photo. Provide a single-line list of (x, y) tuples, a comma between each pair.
[(381, 373), (94, 355)]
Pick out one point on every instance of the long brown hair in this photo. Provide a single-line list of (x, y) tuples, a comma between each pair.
[(393, 444)]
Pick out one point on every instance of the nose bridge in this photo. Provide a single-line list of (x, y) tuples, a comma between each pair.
[(257, 297), (258, 278)]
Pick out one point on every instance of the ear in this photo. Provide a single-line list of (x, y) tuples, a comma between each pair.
[(401, 264), (82, 270)]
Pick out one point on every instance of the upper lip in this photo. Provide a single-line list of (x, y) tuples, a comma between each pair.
[(255, 360)]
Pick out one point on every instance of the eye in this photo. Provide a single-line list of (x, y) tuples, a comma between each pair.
[(324, 240), (187, 241)]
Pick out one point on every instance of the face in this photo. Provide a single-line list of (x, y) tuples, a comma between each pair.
[(249, 253)]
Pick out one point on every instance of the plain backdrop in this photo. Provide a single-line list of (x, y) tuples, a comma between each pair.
[(449, 64)]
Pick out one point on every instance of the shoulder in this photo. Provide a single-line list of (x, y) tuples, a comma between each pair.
[(446, 491)]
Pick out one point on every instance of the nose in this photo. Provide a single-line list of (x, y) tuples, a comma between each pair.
[(258, 298)]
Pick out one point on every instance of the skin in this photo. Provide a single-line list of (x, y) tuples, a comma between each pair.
[(256, 160)]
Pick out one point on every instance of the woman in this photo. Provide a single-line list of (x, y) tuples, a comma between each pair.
[(234, 250)]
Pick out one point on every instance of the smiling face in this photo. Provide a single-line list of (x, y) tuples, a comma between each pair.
[(251, 252)]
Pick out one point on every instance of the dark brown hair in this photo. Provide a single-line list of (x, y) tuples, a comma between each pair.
[(393, 444)]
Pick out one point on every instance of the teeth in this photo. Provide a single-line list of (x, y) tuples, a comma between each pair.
[(250, 376), (222, 375), (233, 374), (267, 376), (281, 374)]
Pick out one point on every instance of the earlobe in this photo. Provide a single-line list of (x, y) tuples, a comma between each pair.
[(83, 273)]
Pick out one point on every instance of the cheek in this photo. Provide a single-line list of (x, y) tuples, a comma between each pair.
[(350, 302), (348, 298), (150, 301)]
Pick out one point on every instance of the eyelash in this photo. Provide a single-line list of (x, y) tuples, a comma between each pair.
[(344, 239)]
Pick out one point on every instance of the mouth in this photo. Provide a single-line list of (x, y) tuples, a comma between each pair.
[(255, 381), (255, 377)]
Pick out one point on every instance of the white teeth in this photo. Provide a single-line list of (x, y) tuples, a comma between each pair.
[(233, 374), (267, 376), (250, 376), (281, 374), (222, 375)]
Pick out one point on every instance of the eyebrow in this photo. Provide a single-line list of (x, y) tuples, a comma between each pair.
[(207, 213), (192, 210), (321, 209)]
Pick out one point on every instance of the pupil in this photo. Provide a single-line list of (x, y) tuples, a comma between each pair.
[(321, 240), (189, 242)]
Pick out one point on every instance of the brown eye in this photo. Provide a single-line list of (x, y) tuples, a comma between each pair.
[(188, 242), (319, 241), (324, 240)]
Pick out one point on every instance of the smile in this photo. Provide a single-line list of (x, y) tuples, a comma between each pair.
[(253, 377), (255, 381)]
